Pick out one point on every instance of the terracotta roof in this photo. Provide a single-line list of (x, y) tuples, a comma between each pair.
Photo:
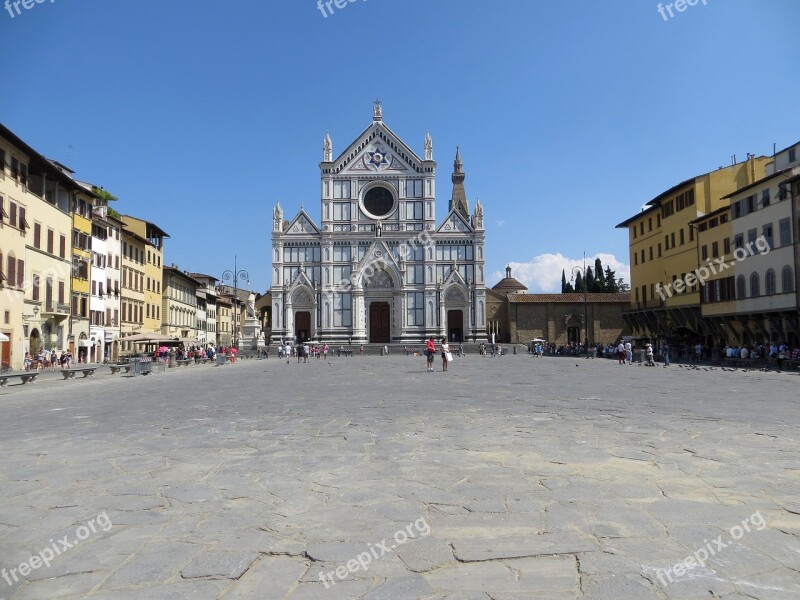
[(510, 283), (577, 298)]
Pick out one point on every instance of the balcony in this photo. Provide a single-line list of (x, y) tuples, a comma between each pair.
[(56, 310)]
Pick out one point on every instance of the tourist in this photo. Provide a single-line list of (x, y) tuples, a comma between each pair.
[(665, 351), (26, 362), (781, 356), (621, 353), (649, 353), (53, 360), (430, 351), (445, 352), (629, 352)]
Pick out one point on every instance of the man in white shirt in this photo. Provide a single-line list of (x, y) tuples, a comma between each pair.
[(629, 353), (621, 353), (745, 352)]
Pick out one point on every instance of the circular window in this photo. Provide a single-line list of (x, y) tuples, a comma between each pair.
[(378, 201)]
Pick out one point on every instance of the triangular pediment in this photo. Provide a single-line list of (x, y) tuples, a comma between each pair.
[(376, 151), (455, 279), (455, 223), (302, 225), (376, 260), (301, 283)]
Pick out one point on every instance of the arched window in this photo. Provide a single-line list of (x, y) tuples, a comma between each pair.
[(787, 280), (770, 282), (755, 286), (741, 288)]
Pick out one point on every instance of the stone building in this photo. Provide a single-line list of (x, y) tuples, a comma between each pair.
[(377, 269), (514, 316)]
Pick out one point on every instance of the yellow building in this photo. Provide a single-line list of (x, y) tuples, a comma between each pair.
[(663, 250), (82, 204), (35, 250), (132, 297), (153, 273), (716, 272)]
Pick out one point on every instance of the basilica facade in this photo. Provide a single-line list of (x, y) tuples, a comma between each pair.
[(377, 268)]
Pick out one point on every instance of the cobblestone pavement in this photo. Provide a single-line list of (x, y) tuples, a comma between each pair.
[(510, 478)]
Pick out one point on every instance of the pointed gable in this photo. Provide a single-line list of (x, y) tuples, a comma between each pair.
[(378, 150), (302, 225), (454, 222)]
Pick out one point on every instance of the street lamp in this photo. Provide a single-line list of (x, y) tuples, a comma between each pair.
[(585, 303), (236, 275)]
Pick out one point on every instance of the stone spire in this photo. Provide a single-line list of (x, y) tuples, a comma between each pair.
[(327, 149), (377, 111), (277, 217), (459, 200), (477, 217), (428, 146)]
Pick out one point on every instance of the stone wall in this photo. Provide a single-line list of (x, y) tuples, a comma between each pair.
[(550, 320)]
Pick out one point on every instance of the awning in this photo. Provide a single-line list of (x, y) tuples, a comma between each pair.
[(3, 337)]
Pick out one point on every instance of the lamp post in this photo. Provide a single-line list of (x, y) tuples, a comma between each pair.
[(236, 275), (585, 303)]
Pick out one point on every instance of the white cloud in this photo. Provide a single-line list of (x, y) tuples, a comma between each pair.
[(542, 274), (500, 223)]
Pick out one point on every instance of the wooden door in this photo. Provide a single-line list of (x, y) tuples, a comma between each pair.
[(302, 326), (379, 323)]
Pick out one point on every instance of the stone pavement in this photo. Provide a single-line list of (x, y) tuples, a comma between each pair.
[(508, 479)]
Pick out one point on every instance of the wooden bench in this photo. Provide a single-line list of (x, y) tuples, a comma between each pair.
[(184, 361), (70, 373), (27, 377), (347, 353), (116, 368)]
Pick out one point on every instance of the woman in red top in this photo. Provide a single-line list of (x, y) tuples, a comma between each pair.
[(430, 350)]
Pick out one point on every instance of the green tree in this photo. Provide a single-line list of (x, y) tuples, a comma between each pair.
[(590, 283), (579, 283), (611, 284), (563, 281), (600, 282), (103, 194)]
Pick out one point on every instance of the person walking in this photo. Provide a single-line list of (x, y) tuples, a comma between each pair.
[(621, 353), (665, 350), (445, 352), (430, 351), (649, 352)]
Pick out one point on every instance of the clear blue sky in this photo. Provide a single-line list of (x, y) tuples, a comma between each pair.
[(570, 115)]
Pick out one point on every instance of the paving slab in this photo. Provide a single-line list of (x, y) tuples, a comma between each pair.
[(506, 478)]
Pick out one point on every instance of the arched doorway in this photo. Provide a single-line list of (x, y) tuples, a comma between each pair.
[(82, 348), (456, 305), (35, 343), (303, 314), (379, 294)]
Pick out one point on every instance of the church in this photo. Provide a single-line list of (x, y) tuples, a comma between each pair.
[(377, 268)]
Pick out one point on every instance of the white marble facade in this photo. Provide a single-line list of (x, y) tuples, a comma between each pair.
[(378, 269)]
